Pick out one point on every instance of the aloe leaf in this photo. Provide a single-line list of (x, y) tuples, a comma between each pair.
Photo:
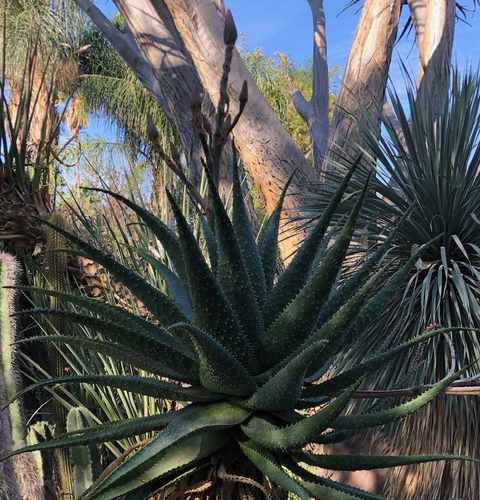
[(295, 323), (340, 321), (211, 310), (371, 311), (371, 462), (346, 378), (319, 487), (99, 434), (376, 305), (268, 239), (246, 239), (214, 417), (134, 384), (368, 420), (140, 329), (177, 291), (162, 232), (292, 280), (300, 433), (211, 243), (114, 351), (175, 459), (232, 272), (153, 299), (219, 371), (266, 463), (347, 290), (113, 331), (283, 389)]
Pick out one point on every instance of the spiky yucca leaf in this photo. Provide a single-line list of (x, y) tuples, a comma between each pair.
[(429, 164)]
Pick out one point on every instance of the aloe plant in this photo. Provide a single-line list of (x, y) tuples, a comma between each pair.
[(239, 354), (241, 349)]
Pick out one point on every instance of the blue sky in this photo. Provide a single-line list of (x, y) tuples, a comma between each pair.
[(285, 26)]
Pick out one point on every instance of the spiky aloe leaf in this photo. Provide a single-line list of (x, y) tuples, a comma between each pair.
[(211, 243), (341, 320), (383, 417), (232, 272), (246, 239), (293, 279), (213, 417), (319, 487), (371, 462), (296, 435), (296, 322), (153, 299), (134, 384), (211, 310), (268, 239), (100, 434), (140, 329), (219, 371), (370, 312), (348, 289), (266, 463), (282, 390), (163, 233), (114, 351), (175, 361), (174, 459), (177, 290), (374, 363)]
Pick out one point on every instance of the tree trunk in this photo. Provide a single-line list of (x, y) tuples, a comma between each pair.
[(362, 96), (267, 151), (176, 81), (434, 22)]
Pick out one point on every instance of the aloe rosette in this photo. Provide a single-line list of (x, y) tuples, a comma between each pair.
[(248, 351)]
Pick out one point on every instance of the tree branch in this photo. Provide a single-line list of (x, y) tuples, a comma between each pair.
[(125, 45), (315, 112)]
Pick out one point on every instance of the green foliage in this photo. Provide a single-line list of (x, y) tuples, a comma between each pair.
[(277, 77), (234, 401), (108, 86), (81, 458)]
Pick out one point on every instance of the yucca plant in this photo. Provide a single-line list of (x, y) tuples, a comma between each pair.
[(430, 164), (241, 350)]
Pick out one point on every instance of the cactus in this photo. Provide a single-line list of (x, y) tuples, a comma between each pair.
[(56, 272), (80, 457), (19, 477)]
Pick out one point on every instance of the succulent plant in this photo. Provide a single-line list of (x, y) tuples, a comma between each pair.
[(243, 352), (20, 477)]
